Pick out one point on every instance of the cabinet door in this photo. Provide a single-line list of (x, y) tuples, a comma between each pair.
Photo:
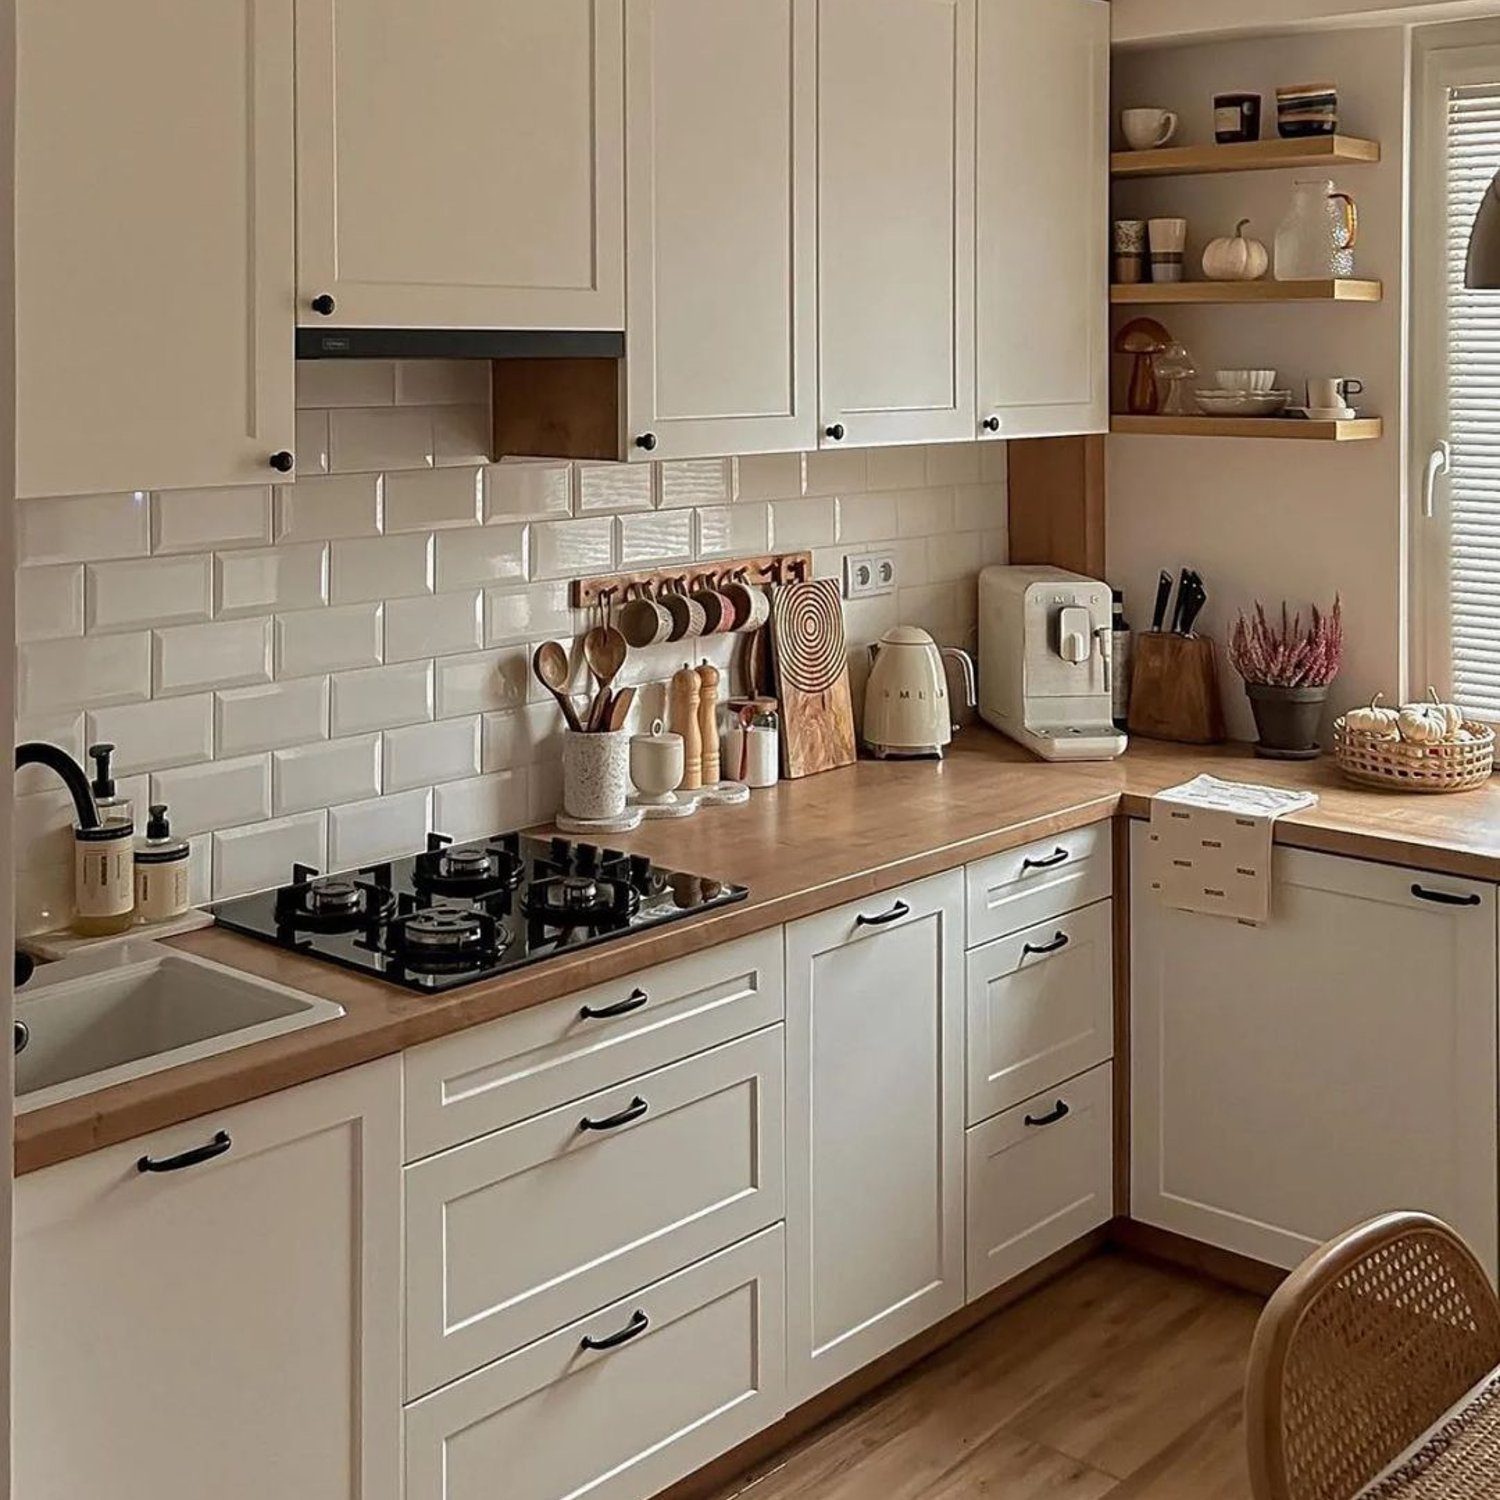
[(721, 176), (228, 1329), (153, 243), (875, 1128), (896, 219), (459, 165), (1292, 1079), (1043, 210)]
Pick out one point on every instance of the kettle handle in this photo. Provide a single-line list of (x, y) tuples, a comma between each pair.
[(966, 662), (874, 650)]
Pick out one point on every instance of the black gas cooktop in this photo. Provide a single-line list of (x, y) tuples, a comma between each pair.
[(465, 912)]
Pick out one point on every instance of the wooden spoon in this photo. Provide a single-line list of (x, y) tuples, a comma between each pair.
[(550, 663), (604, 649), (619, 709)]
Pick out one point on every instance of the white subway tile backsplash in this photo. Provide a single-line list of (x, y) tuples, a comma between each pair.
[(148, 591), (158, 735), (734, 530), (800, 524), (571, 549), (834, 471), (521, 737), (201, 869), (527, 613), (261, 580), (325, 774), (953, 463), (225, 654), (261, 856), (49, 602), (65, 730), (345, 382), (86, 529), (362, 832), (662, 536), (483, 806), (444, 624), (44, 896), (924, 512), (210, 520), (953, 556), (429, 499), (613, 487), (488, 554), (527, 490), (994, 463), (483, 683), (320, 509), (900, 468), (867, 518), (312, 442), (442, 382), (364, 439), (271, 717), (979, 507), (382, 697), (224, 794), (768, 476), (385, 567), (44, 825), (461, 435), (328, 640), (426, 754), (697, 481), (544, 790), (85, 672)]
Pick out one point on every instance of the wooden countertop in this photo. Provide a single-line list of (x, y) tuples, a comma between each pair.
[(801, 847)]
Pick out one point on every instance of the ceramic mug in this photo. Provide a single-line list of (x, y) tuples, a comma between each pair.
[(644, 621), (1167, 238), (1129, 245), (1146, 129), (596, 776), (1327, 392), (752, 606), (718, 611), (687, 615)]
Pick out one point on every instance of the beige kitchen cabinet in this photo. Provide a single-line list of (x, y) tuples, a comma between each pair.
[(154, 260), (721, 175), (875, 1127), (229, 1328), (1042, 274), (896, 123), (1292, 1079), (460, 165)]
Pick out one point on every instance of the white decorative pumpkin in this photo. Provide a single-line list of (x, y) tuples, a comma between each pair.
[(1380, 722), (1430, 723), (1235, 258)]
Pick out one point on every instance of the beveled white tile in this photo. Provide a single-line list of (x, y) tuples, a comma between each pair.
[(696, 481), (483, 806), (430, 499), (320, 509), (345, 382), (157, 735), (544, 787), (526, 613), (64, 729), (527, 489), (953, 463), (572, 549), (953, 556), (148, 591), (994, 546), (868, 518), (325, 774), (661, 536), (261, 856), (425, 754), (363, 832), (270, 717), (485, 554), (385, 567), (261, 580), (440, 625), (49, 602), (521, 737), (924, 512), (207, 520), (328, 640), (768, 476), (200, 869), (44, 897), (979, 507), (734, 530), (365, 439), (43, 827), (801, 524), (900, 468), (835, 471), (85, 528), (482, 683), (382, 697), (312, 442), (223, 794), (461, 435), (613, 487), (994, 463), (911, 561), (229, 653), (442, 382), (84, 672)]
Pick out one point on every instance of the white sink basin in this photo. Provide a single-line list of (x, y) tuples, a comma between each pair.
[(100, 1019)]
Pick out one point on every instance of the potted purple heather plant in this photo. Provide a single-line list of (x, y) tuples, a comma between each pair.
[(1287, 670)]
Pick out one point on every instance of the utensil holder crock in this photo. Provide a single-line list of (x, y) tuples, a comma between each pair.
[(596, 774)]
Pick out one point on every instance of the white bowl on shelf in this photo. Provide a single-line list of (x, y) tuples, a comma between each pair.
[(1241, 403), (1259, 381)]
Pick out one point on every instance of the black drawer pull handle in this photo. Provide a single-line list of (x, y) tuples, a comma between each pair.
[(637, 1325), (634, 1001), (1060, 1113), (1055, 946), (1051, 860), (632, 1111), (216, 1147), (899, 910), (1444, 898)]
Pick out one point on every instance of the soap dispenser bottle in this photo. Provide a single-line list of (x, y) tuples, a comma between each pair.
[(103, 871), (113, 808), (161, 870)]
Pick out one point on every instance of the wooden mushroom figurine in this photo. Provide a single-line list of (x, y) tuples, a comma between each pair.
[(1145, 338)]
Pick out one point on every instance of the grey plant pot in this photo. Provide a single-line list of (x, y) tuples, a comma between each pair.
[(1287, 719)]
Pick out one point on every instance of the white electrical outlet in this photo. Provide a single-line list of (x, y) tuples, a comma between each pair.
[(868, 574)]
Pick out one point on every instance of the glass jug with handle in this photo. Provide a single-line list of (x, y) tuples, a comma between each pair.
[(1316, 239)]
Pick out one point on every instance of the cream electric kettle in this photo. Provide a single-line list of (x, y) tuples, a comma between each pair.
[(906, 698)]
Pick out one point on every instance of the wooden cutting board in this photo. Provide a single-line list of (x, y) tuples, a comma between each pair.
[(812, 677)]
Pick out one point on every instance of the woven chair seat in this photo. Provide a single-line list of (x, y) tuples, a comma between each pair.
[(1459, 1459)]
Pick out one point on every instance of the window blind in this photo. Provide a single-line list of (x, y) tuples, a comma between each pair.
[(1473, 372)]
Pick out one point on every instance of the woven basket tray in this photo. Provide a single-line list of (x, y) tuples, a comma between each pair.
[(1400, 767)]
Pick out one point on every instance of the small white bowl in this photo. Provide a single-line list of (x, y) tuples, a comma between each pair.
[(1246, 380)]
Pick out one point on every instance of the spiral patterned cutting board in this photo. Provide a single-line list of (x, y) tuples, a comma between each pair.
[(812, 675)]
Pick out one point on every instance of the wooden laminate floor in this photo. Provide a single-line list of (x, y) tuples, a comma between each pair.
[(1121, 1379)]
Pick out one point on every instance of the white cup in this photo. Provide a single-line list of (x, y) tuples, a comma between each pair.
[(1146, 129)]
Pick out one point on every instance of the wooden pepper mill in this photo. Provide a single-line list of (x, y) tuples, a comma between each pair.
[(708, 721), (683, 714)]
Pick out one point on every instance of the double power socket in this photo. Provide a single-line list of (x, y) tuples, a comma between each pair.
[(868, 574)]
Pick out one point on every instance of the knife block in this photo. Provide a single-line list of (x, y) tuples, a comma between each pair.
[(1174, 689)]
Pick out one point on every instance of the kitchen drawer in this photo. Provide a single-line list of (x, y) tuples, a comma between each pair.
[(479, 1080), (560, 1418), (1039, 1176), (522, 1231), (1041, 1008), (1027, 885)]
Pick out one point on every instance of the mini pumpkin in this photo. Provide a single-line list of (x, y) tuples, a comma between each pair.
[(1235, 257), (1430, 723), (1382, 723)]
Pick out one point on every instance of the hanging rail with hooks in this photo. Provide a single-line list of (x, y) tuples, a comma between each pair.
[(772, 567)]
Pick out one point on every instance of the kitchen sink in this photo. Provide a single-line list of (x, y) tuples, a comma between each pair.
[(88, 1022)]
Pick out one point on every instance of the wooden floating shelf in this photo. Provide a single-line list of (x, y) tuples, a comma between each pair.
[(1299, 429), (1247, 156), (1186, 293)]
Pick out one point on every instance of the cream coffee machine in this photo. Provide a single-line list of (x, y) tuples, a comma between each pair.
[(1045, 662)]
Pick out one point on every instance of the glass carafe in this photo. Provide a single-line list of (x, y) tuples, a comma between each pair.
[(1316, 239)]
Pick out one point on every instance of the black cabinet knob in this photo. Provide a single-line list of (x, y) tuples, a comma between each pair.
[(282, 462), (324, 304), (836, 432), (647, 442), (991, 424)]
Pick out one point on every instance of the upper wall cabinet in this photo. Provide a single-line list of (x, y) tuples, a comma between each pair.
[(153, 243), (721, 168), (896, 219), (459, 165), (1043, 174)]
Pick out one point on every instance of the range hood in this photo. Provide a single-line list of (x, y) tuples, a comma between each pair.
[(458, 343)]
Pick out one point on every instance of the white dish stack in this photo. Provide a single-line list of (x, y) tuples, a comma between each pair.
[(1242, 393)]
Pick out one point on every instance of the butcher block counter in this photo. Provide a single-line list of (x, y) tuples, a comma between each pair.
[(801, 847)]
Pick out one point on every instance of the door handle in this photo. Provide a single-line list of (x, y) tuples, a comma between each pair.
[(1438, 462), (899, 910), (633, 1001), (1052, 860), (1061, 1112), (1444, 898), (216, 1147), (632, 1111), (637, 1325), (1055, 946)]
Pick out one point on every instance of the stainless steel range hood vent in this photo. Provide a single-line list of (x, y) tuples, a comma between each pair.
[(458, 343)]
